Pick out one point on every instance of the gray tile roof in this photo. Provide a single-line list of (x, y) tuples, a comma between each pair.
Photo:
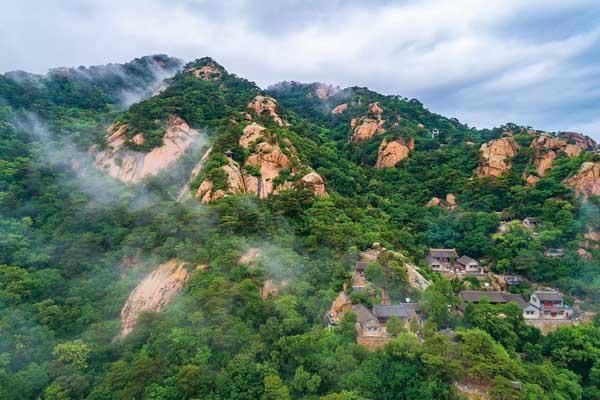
[(431, 261), (445, 253), (469, 296), (549, 295), (363, 314), (361, 265), (403, 311), (466, 260)]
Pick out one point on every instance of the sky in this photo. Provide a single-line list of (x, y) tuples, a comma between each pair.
[(485, 62)]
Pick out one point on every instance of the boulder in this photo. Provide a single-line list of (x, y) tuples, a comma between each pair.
[(208, 72), (313, 182), (495, 157), (365, 128), (270, 160), (153, 293), (375, 108), (340, 108), (392, 152), (586, 182), (132, 167), (266, 105), (546, 148), (251, 134)]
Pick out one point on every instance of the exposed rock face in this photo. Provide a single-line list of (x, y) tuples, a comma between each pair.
[(138, 139), (270, 160), (340, 305), (207, 72), (365, 127), (250, 256), (587, 180), (375, 108), (495, 157), (547, 148), (581, 141), (323, 91), (197, 169), (314, 183), (251, 133), (531, 179), (132, 167), (340, 108), (271, 288), (434, 202), (391, 153), (449, 203), (266, 105), (153, 293)]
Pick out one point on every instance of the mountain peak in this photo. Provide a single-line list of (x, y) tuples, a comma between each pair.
[(206, 69)]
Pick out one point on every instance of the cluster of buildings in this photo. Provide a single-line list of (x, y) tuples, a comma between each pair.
[(447, 261), (371, 325), (544, 304), (544, 307)]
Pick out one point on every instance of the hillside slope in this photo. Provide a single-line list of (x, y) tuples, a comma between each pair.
[(190, 244)]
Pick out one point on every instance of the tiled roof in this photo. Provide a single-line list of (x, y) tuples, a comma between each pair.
[(405, 311), (466, 260), (494, 297), (361, 265), (548, 296), (443, 253), (430, 260), (363, 314)]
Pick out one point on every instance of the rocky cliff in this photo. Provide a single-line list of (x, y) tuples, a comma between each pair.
[(266, 106), (365, 127), (546, 149), (153, 293), (587, 180), (495, 157), (392, 152), (132, 167), (267, 159), (207, 72), (582, 141), (449, 203)]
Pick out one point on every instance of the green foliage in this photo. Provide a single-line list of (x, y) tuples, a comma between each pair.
[(66, 245)]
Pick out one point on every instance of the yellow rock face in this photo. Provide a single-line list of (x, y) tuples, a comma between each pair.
[(391, 153), (153, 293), (132, 167), (587, 180), (266, 105), (495, 157)]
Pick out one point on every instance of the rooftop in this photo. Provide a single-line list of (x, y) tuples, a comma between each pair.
[(494, 297), (363, 314), (465, 260), (431, 260), (445, 253), (405, 310), (361, 265), (548, 295)]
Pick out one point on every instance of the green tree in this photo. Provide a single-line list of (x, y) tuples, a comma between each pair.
[(275, 388), (75, 352)]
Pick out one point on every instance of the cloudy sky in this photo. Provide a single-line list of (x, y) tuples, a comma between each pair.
[(532, 62)]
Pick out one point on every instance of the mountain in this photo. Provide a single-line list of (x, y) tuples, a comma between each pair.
[(170, 230)]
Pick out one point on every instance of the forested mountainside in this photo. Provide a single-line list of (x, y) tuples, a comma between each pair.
[(172, 231)]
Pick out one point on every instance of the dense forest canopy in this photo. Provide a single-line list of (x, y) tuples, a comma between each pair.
[(74, 242)]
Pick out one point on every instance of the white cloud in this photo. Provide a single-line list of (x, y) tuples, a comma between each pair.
[(485, 62)]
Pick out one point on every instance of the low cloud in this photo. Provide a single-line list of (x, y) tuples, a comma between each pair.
[(485, 62)]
